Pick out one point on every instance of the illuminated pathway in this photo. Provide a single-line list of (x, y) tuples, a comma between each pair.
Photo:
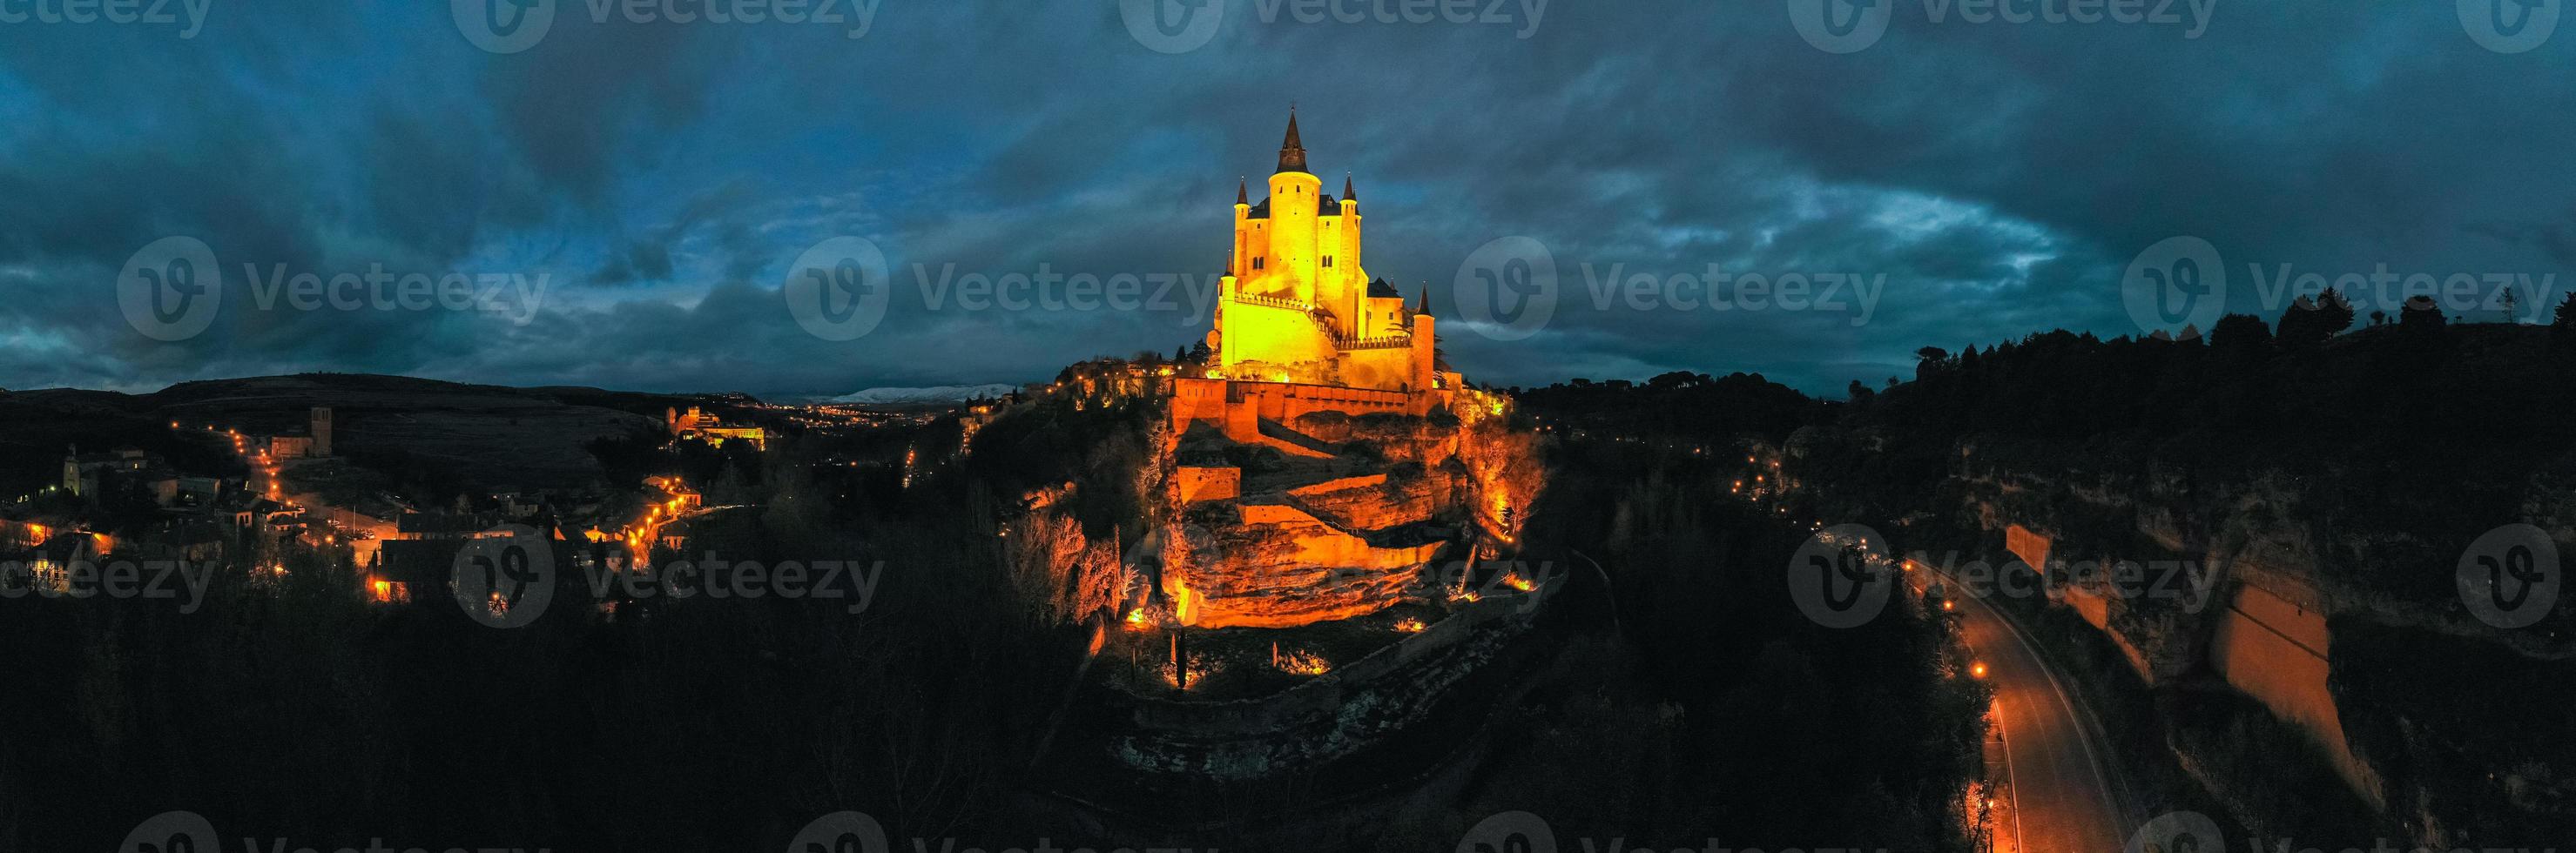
[(2063, 795)]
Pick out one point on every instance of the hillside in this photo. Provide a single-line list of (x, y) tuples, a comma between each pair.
[(484, 434)]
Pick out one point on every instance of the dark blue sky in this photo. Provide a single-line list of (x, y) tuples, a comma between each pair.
[(1989, 179)]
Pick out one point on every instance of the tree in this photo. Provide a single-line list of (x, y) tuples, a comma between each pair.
[(2310, 321), (2240, 337), (2422, 317), (1859, 392)]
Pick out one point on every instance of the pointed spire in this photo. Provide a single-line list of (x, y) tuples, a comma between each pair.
[(1424, 306), (1292, 152), (1243, 191), (1348, 194)]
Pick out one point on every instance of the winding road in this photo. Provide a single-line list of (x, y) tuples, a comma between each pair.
[(2064, 794)]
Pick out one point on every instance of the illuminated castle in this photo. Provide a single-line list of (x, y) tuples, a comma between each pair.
[(1297, 306)]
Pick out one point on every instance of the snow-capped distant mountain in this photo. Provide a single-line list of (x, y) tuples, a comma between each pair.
[(923, 396)]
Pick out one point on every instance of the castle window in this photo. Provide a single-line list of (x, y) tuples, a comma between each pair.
[(1328, 261)]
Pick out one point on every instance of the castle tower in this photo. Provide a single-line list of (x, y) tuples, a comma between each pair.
[(1425, 360), (1295, 198), (321, 431)]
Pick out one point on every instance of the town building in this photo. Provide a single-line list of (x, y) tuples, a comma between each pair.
[(696, 424)]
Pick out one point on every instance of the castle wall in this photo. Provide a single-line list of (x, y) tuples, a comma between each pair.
[(2275, 650), (1279, 344), (1388, 369), (1197, 484)]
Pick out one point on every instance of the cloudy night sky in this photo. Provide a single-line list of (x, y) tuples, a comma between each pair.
[(663, 177)]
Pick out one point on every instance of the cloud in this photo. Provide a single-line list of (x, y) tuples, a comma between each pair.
[(1998, 177)]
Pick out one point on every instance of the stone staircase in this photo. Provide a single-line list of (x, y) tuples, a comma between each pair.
[(1291, 441)]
